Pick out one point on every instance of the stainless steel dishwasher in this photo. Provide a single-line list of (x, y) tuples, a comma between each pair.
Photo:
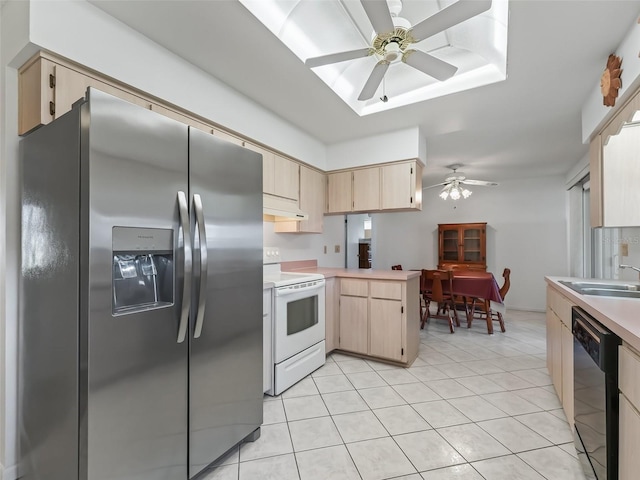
[(595, 387)]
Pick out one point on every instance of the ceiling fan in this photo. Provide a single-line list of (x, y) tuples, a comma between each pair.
[(453, 184), (393, 36)]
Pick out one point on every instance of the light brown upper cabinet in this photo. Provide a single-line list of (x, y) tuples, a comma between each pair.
[(614, 157), (388, 187), (286, 182), (48, 89), (354, 191), (312, 201), (402, 186), (339, 188), (366, 189), (268, 167), (280, 176)]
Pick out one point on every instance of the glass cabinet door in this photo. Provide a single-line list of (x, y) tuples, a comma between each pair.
[(450, 245), (472, 245)]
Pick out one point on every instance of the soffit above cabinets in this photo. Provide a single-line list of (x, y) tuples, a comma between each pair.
[(311, 28)]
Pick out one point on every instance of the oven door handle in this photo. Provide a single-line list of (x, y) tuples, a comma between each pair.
[(284, 291)]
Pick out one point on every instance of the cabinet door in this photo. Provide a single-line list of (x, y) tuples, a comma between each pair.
[(366, 189), (364, 255), (449, 244), (567, 372), (286, 174), (398, 186), (629, 439), (549, 331), (332, 325), (620, 178), (386, 329), (473, 244), (313, 189), (556, 352), (339, 187), (354, 328), (36, 95), (268, 162), (71, 86)]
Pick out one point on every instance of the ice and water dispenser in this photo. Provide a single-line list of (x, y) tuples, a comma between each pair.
[(143, 269)]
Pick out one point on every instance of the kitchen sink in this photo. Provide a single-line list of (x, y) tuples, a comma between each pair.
[(624, 290)]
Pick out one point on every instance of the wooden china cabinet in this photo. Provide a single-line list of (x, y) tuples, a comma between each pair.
[(462, 245)]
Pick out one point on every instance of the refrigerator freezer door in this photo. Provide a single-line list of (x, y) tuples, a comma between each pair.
[(134, 396), (49, 327), (226, 359)]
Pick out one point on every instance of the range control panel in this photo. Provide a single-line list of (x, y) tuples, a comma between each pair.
[(271, 255)]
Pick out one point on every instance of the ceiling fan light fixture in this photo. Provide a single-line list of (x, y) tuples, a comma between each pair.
[(455, 192)]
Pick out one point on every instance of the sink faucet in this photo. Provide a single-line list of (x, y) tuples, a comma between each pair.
[(632, 268)]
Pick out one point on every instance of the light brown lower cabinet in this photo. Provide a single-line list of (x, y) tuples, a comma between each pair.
[(629, 421), (560, 349), (379, 318), (354, 324), (331, 314)]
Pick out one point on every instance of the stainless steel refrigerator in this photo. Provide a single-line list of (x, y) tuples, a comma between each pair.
[(141, 296)]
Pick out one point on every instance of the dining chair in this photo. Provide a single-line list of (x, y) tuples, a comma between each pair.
[(437, 286), (482, 308)]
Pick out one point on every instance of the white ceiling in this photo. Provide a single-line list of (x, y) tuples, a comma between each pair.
[(477, 46), (528, 125)]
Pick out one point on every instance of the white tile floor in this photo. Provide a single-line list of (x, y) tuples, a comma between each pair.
[(472, 406)]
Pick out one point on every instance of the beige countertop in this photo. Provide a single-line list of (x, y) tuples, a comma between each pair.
[(620, 315), (367, 274)]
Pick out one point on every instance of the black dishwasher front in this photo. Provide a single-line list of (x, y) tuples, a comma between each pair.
[(595, 387)]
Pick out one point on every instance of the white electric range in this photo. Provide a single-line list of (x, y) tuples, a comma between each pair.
[(297, 329)]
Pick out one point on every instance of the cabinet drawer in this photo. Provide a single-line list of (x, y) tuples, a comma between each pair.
[(353, 287), (390, 290), (629, 436), (561, 305), (628, 374)]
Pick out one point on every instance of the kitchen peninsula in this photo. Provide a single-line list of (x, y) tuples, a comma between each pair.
[(370, 313)]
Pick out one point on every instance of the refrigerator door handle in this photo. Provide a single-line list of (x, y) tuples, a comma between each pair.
[(183, 208), (204, 265)]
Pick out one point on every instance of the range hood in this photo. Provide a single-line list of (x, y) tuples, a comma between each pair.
[(278, 209)]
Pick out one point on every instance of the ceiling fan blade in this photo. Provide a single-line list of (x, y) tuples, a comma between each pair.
[(379, 16), (448, 17), (337, 57), (373, 82), (479, 182), (437, 185), (429, 64)]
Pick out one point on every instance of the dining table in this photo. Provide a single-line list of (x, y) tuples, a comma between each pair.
[(474, 286)]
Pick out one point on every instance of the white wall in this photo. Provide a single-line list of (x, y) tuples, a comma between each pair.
[(310, 246), (526, 232), (594, 113), (387, 147)]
